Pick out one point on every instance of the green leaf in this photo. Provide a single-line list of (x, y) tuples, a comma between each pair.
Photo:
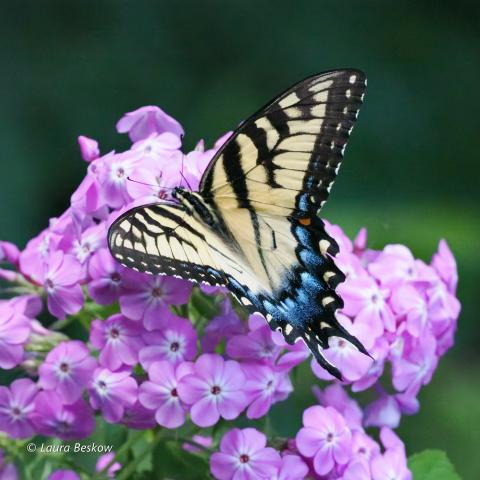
[(171, 461), (432, 465), (207, 305)]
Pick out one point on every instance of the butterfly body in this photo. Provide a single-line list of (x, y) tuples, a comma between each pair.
[(253, 225)]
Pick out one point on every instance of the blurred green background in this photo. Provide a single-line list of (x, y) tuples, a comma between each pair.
[(411, 173)]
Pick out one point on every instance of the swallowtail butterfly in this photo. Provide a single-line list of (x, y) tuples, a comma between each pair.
[(253, 225)]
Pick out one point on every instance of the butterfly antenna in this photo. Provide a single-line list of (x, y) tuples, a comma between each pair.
[(186, 181), (183, 176), (148, 184)]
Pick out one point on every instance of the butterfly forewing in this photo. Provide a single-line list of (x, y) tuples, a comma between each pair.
[(290, 151), (163, 239)]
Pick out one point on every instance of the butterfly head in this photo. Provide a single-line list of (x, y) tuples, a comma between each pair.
[(195, 203)]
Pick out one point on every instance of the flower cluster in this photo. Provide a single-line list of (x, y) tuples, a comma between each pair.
[(331, 444), (157, 353)]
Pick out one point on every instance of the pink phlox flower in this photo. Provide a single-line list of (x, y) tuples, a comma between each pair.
[(52, 417), (257, 321), (9, 252), (160, 392), (214, 390), (409, 303), (325, 437), (194, 164), (148, 297), (212, 289), (112, 392), (87, 201), (138, 417), (200, 146), (391, 464), (443, 312), (106, 278), (390, 440), (352, 363), (364, 448), (264, 387), (175, 341), (383, 412), (67, 369), (351, 265), (221, 141), (88, 148), (64, 475), (396, 265), (8, 471), (244, 456), (16, 408), (360, 242), (367, 302), (271, 346), (87, 243), (416, 366), (336, 397), (37, 252), (119, 340), (225, 324), (157, 147), (293, 354), (61, 279), (112, 175), (29, 305), (64, 228), (104, 460), (442, 305), (408, 402), (292, 467), (8, 275), (15, 328), (201, 440), (290, 355), (337, 233), (356, 470), (445, 265), (144, 121), (379, 352), (152, 182), (257, 344)]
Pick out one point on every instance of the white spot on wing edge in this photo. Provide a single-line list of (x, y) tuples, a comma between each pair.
[(328, 275), (323, 245), (327, 300)]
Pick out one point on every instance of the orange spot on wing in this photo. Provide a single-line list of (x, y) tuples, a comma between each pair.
[(305, 221)]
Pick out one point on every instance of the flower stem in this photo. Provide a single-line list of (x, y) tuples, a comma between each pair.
[(131, 468)]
